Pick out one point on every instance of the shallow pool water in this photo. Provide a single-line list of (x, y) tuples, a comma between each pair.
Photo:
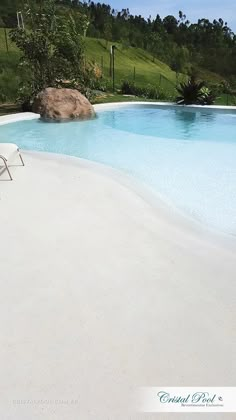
[(188, 156)]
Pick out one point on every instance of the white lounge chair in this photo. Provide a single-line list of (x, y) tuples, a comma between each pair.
[(7, 153)]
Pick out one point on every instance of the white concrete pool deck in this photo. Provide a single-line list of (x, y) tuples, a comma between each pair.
[(103, 292)]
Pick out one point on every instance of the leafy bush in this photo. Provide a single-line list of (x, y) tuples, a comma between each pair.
[(148, 92), (128, 88), (208, 96), (52, 48), (152, 92), (9, 84), (190, 92), (9, 79), (92, 78), (193, 92)]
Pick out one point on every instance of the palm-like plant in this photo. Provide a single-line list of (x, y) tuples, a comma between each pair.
[(190, 92)]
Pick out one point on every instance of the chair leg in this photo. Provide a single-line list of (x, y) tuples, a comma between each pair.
[(21, 158), (6, 166)]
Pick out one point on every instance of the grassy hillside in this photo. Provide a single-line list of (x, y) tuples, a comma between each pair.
[(132, 64)]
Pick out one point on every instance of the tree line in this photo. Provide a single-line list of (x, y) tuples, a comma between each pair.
[(183, 45)]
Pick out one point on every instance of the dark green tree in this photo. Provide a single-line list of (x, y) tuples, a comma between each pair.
[(51, 45)]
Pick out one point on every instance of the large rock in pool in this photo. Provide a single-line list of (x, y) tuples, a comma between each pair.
[(62, 104)]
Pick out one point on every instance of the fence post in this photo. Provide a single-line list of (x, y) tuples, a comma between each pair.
[(134, 73), (111, 62), (113, 67), (102, 64), (5, 32)]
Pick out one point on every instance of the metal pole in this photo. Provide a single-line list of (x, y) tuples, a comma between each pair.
[(18, 20), (5, 32), (22, 21), (113, 66), (111, 62)]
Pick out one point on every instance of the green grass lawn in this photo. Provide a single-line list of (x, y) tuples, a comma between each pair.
[(225, 99), (147, 70), (111, 98), (127, 60), (132, 64)]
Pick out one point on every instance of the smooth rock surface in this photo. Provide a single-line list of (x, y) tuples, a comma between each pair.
[(62, 104)]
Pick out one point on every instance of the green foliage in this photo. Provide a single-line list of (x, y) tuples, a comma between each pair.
[(177, 42), (128, 88), (9, 84), (8, 10), (208, 96), (147, 71), (225, 87), (163, 51), (190, 92), (9, 78), (180, 60), (194, 93), (174, 40), (148, 92), (51, 46), (92, 81), (225, 99)]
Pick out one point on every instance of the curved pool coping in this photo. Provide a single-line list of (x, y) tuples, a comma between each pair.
[(164, 105), (22, 116)]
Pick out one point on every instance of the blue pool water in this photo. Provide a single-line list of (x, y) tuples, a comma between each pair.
[(187, 156)]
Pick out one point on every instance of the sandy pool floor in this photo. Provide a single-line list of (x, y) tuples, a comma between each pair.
[(102, 292)]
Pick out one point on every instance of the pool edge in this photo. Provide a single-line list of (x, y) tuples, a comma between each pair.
[(23, 116)]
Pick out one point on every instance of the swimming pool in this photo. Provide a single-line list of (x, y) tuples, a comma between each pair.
[(187, 155)]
